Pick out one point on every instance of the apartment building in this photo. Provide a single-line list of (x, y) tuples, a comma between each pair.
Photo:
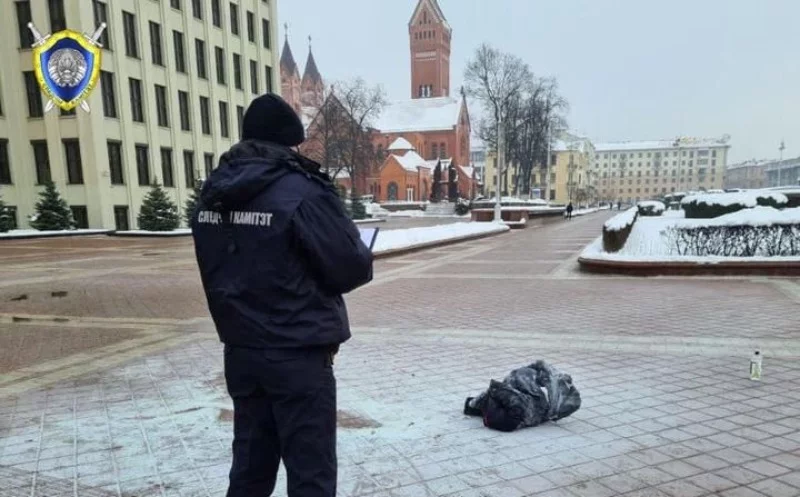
[(751, 174), (634, 171), (176, 78)]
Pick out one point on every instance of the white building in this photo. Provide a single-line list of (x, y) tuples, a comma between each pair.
[(176, 78), (633, 171)]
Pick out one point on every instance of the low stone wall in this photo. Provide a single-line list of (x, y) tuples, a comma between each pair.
[(732, 268)]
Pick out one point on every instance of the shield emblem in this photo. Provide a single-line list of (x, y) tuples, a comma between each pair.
[(67, 66)]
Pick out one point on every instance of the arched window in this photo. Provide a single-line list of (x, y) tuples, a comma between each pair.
[(391, 191), (443, 151), (434, 151)]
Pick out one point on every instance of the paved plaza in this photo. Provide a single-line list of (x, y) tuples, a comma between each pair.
[(111, 377)]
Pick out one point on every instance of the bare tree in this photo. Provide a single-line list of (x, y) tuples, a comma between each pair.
[(363, 105), (496, 79), (326, 140), (340, 136)]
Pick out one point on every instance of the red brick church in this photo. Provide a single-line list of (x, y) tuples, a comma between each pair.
[(414, 135)]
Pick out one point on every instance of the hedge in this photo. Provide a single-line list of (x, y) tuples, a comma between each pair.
[(714, 205), (736, 241), (617, 230)]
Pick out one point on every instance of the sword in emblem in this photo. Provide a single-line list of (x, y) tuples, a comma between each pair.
[(94, 39), (38, 39)]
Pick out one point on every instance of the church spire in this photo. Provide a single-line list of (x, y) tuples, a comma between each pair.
[(311, 74), (288, 65)]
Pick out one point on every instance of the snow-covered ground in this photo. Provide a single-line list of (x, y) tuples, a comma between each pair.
[(36, 233), (648, 241), (177, 232), (409, 238), (583, 212)]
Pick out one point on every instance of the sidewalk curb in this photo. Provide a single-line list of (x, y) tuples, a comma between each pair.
[(33, 236), (673, 268), (429, 245)]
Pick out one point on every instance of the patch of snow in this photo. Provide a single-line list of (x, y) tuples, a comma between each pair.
[(419, 114), (654, 204), (583, 212), (411, 161), (648, 241), (674, 214), (401, 144), (409, 213), (401, 239), (177, 232), (36, 233), (622, 220), (747, 198)]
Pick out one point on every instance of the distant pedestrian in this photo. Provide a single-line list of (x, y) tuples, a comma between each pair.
[(569, 211)]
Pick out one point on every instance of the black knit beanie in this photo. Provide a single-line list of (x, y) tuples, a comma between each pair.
[(270, 118)]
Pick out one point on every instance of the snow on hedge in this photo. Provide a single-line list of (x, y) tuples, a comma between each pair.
[(649, 242), (757, 216), (622, 220), (37, 234), (389, 240), (654, 204), (746, 198)]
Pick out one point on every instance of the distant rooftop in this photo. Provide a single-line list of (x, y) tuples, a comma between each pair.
[(683, 142), (420, 114)]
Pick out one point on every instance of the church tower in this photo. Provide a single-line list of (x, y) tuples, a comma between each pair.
[(312, 88), (290, 78), (429, 35)]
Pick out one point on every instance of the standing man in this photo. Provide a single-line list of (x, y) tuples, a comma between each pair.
[(570, 208), (276, 252)]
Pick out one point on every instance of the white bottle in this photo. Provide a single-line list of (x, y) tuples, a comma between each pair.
[(755, 366)]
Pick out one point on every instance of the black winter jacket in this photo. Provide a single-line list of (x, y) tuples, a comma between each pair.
[(276, 250)]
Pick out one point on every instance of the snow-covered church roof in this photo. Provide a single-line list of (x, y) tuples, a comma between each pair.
[(420, 114), (401, 144), (411, 161)]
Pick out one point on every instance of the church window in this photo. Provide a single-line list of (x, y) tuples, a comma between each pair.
[(435, 151), (443, 150)]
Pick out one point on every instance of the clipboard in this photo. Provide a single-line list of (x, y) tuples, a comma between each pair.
[(368, 236)]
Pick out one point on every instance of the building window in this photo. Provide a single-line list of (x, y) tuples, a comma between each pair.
[(237, 71), (183, 108), (121, 218), (129, 30), (254, 77), (434, 151), (268, 77), (58, 21), (175, 4), (251, 27), (223, 120), (100, 11), (137, 105), (72, 152), (239, 118), (115, 162), (108, 94), (180, 53), (188, 168), (166, 167), (216, 16), (197, 9), (162, 109), (80, 215), (235, 19), (265, 37), (205, 116), (5, 166), (208, 161), (219, 56), (142, 165), (41, 160), (23, 18), (442, 150), (200, 55), (156, 46), (34, 95)]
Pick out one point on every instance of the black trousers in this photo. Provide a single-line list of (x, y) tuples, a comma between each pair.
[(284, 409)]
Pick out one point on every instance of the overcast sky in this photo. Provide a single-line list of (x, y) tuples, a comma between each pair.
[(631, 69)]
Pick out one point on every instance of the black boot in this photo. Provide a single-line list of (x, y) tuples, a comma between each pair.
[(469, 410)]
